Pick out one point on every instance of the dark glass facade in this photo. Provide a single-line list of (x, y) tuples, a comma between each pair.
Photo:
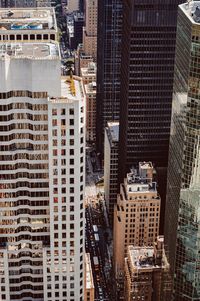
[(182, 224), (148, 51), (108, 62)]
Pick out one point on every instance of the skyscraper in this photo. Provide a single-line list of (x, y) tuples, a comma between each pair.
[(111, 147), (148, 50), (136, 216), (41, 162), (108, 65), (90, 29), (183, 189)]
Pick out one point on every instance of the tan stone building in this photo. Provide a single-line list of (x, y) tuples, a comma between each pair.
[(147, 273), (90, 29), (90, 91), (88, 73), (82, 60), (89, 284), (136, 215)]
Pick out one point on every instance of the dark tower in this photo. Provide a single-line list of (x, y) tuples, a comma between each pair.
[(108, 62), (148, 51)]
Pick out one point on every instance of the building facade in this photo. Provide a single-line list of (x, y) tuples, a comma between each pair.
[(136, 215), (182, 207), (90, 29), (90, 92), (78, 30), (109, 63), (89, 81), (41, 185), (148, 51), (111, 147), (147, 273)]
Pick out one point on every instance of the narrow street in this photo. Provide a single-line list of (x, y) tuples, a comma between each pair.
[(96, 232)]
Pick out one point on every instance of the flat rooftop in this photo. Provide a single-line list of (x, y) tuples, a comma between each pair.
[(141, 257), (33, 50), (192, 10), (90, 70), (27, 19), (91, 88), (72, 88)]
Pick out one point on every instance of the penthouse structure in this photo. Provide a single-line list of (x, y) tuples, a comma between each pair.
[(147, 274), (28, 25), (136, 215), (42, 171)]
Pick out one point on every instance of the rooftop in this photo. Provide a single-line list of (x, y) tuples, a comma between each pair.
[(33, 50), (88, 272), (27, 19), (72, 88), (90, 70), (141, 257), (113, 128), (91, 88), (141, 180), (192, 10)]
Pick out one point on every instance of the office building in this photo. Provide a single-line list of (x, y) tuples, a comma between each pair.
[(89, 283), (28, 25), (25, 3), (136, 215), (42, 164), (90, 29), (90, 92), (148, 50), (109, 31), (111, 147), (182, 206), (78, 24), (147, 274), (88, 76), (82, 60), (88, 73)]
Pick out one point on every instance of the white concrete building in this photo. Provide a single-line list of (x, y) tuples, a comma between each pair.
[(42, 163)]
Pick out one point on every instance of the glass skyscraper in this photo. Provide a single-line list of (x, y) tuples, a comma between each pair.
[(182, 222), (147, 69), (109, 62)]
